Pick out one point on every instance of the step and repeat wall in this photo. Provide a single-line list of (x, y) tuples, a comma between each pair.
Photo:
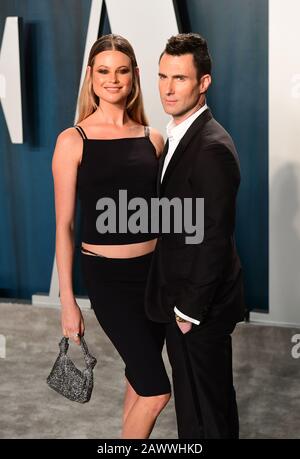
[(255, 94)]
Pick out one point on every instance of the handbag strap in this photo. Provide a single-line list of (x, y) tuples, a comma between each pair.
[(89, 359), (64, 345)]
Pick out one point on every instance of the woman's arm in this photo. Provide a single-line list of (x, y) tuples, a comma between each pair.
[(66, 158)]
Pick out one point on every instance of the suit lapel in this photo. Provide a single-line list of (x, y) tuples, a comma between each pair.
[(195, 127)]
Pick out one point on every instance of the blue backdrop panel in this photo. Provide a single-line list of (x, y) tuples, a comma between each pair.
[(237, 35), (54, 35), (53, 39)]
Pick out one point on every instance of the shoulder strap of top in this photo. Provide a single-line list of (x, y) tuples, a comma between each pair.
[(81, 131), (147, 131)]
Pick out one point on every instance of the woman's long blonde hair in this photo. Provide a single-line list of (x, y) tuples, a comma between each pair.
[(88, 101)]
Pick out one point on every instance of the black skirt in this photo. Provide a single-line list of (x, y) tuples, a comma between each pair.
[(116, 289)]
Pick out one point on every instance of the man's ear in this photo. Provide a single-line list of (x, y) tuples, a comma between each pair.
[(205, 82)]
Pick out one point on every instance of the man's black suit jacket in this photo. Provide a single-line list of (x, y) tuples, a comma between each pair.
[(203, 280)]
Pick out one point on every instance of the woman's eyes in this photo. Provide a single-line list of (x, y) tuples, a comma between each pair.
[(105, 72)]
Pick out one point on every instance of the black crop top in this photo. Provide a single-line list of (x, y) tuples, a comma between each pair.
[(108, 167)]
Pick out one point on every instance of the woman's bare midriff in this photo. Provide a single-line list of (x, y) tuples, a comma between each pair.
[(121, 251)]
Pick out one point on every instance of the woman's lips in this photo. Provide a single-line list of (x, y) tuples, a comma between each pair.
[(112, 89)]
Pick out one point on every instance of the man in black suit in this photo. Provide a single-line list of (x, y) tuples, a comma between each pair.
[(197, 288)]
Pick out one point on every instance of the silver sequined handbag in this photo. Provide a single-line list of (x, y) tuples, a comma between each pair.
[(67, 379)]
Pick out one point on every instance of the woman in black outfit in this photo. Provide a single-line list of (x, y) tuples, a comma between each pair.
[(110, 149)]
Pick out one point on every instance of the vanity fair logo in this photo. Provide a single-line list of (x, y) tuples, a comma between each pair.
[(10, 79), (166, 216), (295, 80)]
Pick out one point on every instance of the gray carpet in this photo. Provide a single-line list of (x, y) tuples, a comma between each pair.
[(266, 380)]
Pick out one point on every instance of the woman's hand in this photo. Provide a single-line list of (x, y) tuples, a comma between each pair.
[(72, 321)]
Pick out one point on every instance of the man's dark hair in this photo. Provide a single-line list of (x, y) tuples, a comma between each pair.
[(190, 43)]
